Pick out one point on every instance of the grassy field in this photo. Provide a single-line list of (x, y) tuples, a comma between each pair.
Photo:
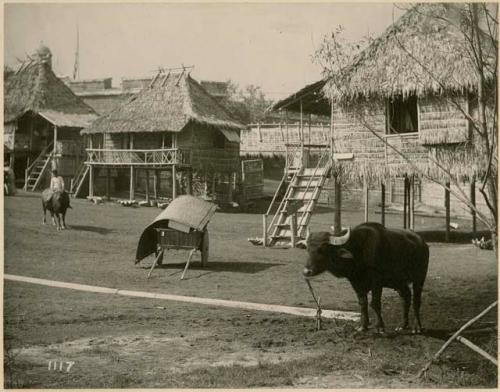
[(124, 342)]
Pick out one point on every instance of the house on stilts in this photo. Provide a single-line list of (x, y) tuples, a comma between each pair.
[(169, 139), (42, 123), (413, 91)]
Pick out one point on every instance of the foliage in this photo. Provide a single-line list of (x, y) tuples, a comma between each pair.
[(249, 104)]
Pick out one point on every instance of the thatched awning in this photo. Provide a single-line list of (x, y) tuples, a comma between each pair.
[(171, 102), (423, 52), (313, 100), (68, 119), (35, 87)]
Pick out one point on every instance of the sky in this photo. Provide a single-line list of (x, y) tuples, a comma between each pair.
[(266, 44)]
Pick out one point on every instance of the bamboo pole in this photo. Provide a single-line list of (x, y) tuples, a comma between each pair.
[(155, 184), (412, 202), (382, 212), (337, 219), (132, 188), (405, 206), (174, 182), (107, 183), (293, 229), (91, 181), (147, 185), (447, 208), (264, 230), (473, 201), (365, 197), (477, 349)]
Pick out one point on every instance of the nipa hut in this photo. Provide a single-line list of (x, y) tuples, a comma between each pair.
[(172, 129), (42, 121), (411, 88)]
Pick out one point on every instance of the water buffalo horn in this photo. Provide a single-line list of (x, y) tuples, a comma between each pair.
[(340, 240)]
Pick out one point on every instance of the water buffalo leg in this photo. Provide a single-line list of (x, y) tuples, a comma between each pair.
[(376, 305), (58, 220), (363, 304), (417, 300), (44, 213), (405, 294), (63, 220), (53, 219)]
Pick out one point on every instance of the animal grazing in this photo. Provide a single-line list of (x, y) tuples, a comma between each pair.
[(372, 257), (56, 203)]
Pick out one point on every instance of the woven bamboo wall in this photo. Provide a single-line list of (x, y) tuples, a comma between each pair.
[(441, 122), (268, 140)]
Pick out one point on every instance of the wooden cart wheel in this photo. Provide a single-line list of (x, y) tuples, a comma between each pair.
[(204, 249)]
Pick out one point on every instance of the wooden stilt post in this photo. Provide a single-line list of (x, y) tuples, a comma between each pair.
[(405, 198), (473, 201), (108, 175), (132, 183), (365, 197), (264, 230), (174, 182), (447, 208), (155, 184), (190, 182), (213, 186), (337, 219), (382, 212), (91, 181), (293, 229), (147, 185), (412, 202)]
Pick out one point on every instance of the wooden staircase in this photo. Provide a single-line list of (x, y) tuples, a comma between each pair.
[(36, 171), (299, 201), (79, 180)]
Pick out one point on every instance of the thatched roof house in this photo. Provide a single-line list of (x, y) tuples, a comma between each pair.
[(170, 103), (422, 53), (42, 120), (35, 88)]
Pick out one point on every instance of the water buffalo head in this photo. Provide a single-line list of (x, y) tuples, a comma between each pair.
[(326, 252)]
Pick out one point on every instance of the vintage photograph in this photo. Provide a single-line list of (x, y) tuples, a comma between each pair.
[(250, 195)]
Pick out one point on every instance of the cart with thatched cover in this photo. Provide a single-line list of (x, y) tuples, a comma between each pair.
[(182, 225)]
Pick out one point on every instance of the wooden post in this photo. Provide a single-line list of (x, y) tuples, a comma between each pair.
[(174, 182), (264, 230), (405, 205), (412, 202), (147, 185), (55, 137), (337, 219), (213, 186), (473, 201), (447, 208), (190, 182), (107, 183), (365, 197), (382, 212), (155, 184), (132, 182), (293, 229), (91, 181)]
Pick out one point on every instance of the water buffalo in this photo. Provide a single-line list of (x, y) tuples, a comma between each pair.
[(56, 203), (372, 257)]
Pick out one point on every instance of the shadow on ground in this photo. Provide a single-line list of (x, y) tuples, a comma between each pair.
[(220, 266), (92, 229), (456, 237)]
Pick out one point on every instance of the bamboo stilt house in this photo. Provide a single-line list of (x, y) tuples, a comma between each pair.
[(42, 121), (172, 129), (413, 88)]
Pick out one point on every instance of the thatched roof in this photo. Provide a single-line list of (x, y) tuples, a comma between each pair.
[(428, 32), (313, 100), (169, 103), (35, 87)]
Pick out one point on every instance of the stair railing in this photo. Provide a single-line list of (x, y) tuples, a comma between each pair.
[(325, 154), (29, 169), (76, 179), (283, 201), (44, 168)]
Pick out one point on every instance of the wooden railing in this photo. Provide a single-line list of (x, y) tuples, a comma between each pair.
[(160, 157), (41, 156)]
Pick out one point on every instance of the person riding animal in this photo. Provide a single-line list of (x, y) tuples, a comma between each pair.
[(56, 200)]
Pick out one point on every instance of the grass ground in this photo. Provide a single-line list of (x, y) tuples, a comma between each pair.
[(123, 342)]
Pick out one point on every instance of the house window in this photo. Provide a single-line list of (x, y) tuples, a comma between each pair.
[(402, 115), (219, 140)]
